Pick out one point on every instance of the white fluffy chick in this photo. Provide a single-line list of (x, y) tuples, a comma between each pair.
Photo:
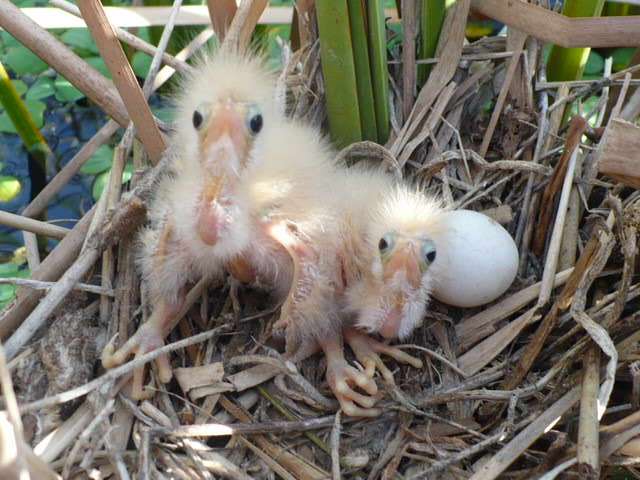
[(290, 191), (387, 254), (222, 108)]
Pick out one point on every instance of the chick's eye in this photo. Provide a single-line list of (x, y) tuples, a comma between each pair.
[(385, 243), (429, 252), (255, 123), (197, 119)]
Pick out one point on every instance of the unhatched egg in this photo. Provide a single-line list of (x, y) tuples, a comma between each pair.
[(476, 260)]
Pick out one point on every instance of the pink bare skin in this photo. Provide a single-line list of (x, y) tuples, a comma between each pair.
[(149, 337)]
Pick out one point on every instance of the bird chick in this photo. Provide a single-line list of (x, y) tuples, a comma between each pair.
[(387, 252), (294, 227), (221, 110)]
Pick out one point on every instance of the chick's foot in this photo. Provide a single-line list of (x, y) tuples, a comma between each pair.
[(367, 350), (149, 337), (345, 379)]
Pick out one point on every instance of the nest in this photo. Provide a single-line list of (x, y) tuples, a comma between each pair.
[(542, 382)]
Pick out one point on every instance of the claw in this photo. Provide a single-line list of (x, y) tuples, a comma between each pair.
[(367, 350), (344, 380), (149, 337)]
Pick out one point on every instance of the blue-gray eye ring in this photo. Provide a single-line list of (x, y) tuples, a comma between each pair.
[(429, 252)]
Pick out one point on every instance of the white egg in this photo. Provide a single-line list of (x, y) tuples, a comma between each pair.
[(476, 260)]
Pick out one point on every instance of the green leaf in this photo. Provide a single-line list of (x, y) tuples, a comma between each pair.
[(21, 87), (81, 41), (8, 40), (42, 88), (65, 92), (102, 180), (99, 184), (622, 58), (6, 125), (36, 109), (141, 63), (9, 188), (98, 64), (8, 269), (23, 61), (99, 162), (7, 293), (1, 166), (595, 64)]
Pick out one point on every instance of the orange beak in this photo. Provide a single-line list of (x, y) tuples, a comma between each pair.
[(224, 147), (404, 259)]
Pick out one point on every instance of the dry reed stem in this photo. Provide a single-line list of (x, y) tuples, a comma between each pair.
[(123, 77), (20, 222), (520, 38), (57, 55), (130, 39)]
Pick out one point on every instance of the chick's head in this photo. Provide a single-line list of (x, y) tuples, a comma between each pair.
[(400, 236), (222, 109)]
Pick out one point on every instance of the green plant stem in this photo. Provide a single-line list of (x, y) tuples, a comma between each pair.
[(33, 140), (338, 68), (363, 69), (379, 73), (432, 17), (566, 64)]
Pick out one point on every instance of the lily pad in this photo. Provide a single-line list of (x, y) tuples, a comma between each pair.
[(42, 88), (99, 161), (102, 180), (8, 269), (23, 61), (141, 63), (98, 64), (10, 188), (65, 92), (36, 109), (7, 293), (81, 41), (21, 87)]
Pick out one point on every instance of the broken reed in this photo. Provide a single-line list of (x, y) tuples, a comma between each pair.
[(353, 50)]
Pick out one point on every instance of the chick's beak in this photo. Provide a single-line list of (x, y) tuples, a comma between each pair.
[(224, 144), (225, 141), (404, 259)]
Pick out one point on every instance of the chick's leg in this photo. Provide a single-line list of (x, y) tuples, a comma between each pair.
[(343, 379), (150, 335), (367, 350)]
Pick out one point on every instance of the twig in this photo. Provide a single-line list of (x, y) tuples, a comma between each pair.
[(223, 430), (335, 448), (439, 357), (40, 285), (497, 110), (30, 225), (84, 77), (588, 460), (124, 79), (129, 39), (512, 450)]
